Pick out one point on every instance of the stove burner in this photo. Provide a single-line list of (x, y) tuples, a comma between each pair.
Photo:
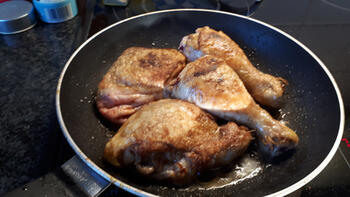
[(243, 7), (173, 4), (342, 5)]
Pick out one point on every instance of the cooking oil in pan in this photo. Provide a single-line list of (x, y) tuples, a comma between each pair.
[(248, 166)]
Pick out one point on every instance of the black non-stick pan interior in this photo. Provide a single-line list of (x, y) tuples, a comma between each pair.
[(311, 107)]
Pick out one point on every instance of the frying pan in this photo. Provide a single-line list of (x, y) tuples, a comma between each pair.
[(313, 104)]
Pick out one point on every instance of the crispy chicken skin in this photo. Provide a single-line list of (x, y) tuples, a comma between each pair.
[(264, 88), (172, 140), (136, 78), (215, 87)]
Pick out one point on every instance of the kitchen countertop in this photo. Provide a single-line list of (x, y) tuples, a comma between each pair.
[(31, 142)]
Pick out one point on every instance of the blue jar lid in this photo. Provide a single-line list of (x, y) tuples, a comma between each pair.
[(16, 17)]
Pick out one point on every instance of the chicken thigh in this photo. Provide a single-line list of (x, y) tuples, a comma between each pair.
[(264, 88), (172, 140), (215, 87), (136, 78)]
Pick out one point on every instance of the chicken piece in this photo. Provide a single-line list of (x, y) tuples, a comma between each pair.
[(136, 78), (172, 140), (213, 86), (265, 89)]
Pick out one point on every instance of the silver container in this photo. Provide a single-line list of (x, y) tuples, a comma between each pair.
[(16, 17)]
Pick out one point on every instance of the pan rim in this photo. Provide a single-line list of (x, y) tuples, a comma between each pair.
[(139, 192)]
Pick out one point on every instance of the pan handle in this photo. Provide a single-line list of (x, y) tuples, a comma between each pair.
[(73, 178), (86, 179)]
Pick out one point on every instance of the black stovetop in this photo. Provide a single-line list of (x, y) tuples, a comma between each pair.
[(322, 25)]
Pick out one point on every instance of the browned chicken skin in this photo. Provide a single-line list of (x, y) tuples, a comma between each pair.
[(264, 88), (214, 86), (136, 78), (172, 140)]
